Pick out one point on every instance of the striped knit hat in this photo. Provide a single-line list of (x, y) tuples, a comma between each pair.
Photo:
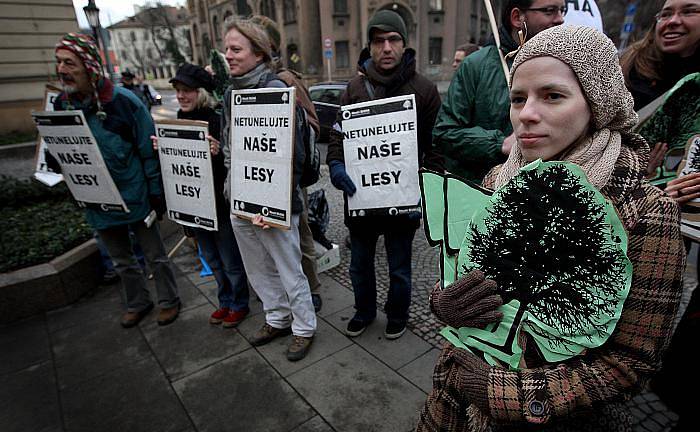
[(84, 46)]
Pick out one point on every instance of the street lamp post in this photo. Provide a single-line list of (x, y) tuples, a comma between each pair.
[(92, 12)]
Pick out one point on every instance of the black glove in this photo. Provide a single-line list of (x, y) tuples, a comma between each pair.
[(470, 302), (158, 204)]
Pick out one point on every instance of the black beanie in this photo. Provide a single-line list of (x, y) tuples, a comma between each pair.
[(387, 21)]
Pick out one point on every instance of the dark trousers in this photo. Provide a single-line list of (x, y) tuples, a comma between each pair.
[(362, 273)]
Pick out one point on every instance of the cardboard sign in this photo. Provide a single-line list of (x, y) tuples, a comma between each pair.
[(380, 143), (583, 12), (262, 153), (69, 139), (41, 169), (188, 178)]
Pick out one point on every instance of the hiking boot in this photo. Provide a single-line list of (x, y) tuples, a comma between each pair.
[(268, 333), (168, 315), (356, 327), (299, 348), (130, 319), (395, 329), (235, 317), (109, 277), (318, 303), (218, 315)]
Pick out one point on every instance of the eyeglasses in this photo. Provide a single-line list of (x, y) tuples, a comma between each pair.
[(667, 14), (377, 40), (549, 10)]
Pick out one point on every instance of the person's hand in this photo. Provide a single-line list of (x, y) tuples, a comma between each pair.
[(470, 302), (340, 178), (656, 158), (463, 377), (214, 145), (684, 188), (209, 69), (258, 222), (157, 203), (508, 144), (154, 142)]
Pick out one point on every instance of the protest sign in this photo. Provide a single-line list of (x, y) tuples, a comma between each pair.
[(41, 170), (380, 143), (262, 149), (583, 12), (188, 179), (69, 139)]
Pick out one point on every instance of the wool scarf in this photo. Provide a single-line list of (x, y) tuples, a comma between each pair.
[(249, 79)]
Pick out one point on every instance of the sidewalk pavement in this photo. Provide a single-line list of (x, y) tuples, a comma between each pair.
[(76, 369)]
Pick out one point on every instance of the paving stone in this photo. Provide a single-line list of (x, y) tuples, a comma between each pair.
[(191, 343), (316, 424), (104, 307), (29, 400), (335, 296), (327, 341), (249, 396), (190, 296), (136, 397), (87, 351), (395, 353), (353, 391), (23, 344), (420, 370)]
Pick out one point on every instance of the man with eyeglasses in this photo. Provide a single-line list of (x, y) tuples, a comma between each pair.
[(388, 69), (473, 129)]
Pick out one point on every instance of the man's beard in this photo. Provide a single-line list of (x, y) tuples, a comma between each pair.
[(70, 89)]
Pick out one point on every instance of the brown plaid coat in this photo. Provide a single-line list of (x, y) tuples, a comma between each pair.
[(585, 393)]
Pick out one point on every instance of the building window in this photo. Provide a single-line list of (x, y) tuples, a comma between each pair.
[(290, 11), (342, 55), (125, 56), (267, 8), (202, 13), (133, 36), (243, 8), (217, 31), (435, 51), (435, 5), (473, 24), (340, 7), (149, 53)]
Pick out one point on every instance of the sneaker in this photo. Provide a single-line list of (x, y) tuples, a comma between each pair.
[(299, 348), (168, 315), (130, 319), (268, 333), (235, 317), (356, 327), (394, 329), (109, 277), (218, 315), (318, 303)]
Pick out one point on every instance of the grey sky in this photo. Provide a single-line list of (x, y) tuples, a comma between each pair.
[(112, 11)]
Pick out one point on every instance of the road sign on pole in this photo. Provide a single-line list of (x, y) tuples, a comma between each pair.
[(327, 43)]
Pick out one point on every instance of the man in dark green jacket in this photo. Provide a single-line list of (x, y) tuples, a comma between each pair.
[(473, 130), (122, 128)]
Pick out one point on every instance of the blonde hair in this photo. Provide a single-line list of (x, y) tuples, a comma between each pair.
[(257, 37), (204, 99)]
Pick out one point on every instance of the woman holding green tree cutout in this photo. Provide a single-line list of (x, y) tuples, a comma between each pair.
[(619, 269)]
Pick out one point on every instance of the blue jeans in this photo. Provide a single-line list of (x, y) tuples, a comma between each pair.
[(364, 283), (220, 250)]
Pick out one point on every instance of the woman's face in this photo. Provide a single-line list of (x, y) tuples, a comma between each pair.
[(678, 27), (239, 53), (548, 109), (186, 97)]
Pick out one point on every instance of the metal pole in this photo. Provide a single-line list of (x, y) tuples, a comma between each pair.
[(328, 64)]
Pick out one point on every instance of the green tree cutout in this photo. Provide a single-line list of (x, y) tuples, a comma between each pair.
[(557, 250)]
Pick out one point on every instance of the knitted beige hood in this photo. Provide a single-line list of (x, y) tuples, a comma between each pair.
[(593, 58)]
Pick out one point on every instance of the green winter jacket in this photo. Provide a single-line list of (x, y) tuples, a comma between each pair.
[(124, 141), (474, 118)]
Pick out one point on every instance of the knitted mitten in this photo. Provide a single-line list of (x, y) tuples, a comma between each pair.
[(469, 302)]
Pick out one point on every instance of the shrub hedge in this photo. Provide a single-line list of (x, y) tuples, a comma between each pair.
[(37, 223)]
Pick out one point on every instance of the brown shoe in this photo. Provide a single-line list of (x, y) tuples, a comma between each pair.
[(268, 333), (168, 315), (130, 319), (299, 348)]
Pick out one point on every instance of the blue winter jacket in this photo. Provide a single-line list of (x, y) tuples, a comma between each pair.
[(123, 138)]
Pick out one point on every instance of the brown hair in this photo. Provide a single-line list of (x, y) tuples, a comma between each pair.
[(255, 34), (644, 57), (468, 48)]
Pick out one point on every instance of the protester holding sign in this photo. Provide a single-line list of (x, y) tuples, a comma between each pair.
[(569, 103), (219, 248), (472, 130), (122, 126), (272, 256), (390, 70)]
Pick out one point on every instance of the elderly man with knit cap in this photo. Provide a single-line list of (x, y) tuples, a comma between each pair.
[(122, 126), (388, 69)]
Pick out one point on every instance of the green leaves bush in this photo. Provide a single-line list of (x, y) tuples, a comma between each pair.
[(38, 223)]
